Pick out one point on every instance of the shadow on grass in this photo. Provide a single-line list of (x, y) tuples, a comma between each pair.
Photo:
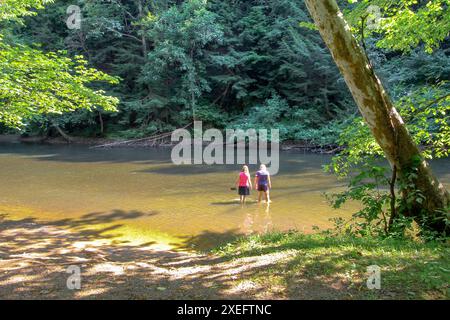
[(208, 240), (409, 270), (34, 257)]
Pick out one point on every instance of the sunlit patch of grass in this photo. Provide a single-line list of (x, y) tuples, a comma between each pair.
[(409, 270)]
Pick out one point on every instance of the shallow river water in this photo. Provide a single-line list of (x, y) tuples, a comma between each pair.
[(138, 195)]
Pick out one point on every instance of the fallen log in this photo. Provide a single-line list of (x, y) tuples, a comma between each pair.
[(66, 137), (153, 138)]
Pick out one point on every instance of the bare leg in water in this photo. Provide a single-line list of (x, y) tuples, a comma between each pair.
[(267, 196)]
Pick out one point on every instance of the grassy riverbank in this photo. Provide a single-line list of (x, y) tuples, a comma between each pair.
[(335, 267)]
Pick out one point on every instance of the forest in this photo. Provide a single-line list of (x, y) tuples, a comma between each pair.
[(230, 64)]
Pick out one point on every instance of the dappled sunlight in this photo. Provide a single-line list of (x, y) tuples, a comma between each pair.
[(118, 269), (35, 256), (335, 268)]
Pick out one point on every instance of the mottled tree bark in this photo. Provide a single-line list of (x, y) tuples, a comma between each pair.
[(377, 108)]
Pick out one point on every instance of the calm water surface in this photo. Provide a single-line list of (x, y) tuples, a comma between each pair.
[(138, 195)]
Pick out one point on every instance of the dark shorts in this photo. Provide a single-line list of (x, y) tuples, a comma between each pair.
[(244, 191), (263, 188)]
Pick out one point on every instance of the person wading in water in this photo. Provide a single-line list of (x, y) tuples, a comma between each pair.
[(244, 184), (263, 183)]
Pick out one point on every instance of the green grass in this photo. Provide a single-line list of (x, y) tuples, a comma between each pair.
[(409, 270)]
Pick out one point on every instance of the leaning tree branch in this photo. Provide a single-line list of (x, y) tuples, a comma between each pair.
[(151, 138)]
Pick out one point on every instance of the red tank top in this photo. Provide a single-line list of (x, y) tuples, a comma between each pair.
[(243, 179)]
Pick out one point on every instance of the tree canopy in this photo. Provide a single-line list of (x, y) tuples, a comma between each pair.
[(34, 82)]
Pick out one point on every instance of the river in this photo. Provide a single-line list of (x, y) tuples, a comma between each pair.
[(139, 196)]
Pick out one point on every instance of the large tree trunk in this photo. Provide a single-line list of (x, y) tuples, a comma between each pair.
[(377, 109)]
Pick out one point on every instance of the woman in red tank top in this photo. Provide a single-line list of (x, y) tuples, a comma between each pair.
[(244, 184)]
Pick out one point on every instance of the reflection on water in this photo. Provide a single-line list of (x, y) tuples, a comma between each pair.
[(147, 198), (258, 219)]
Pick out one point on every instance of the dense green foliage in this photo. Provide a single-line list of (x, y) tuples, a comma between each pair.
[(231, 64), (403, 24), (214, 61), (422, 99), (34, 83)]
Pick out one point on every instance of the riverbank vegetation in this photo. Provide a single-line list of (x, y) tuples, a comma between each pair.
[(325, 264), (35, 254)]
